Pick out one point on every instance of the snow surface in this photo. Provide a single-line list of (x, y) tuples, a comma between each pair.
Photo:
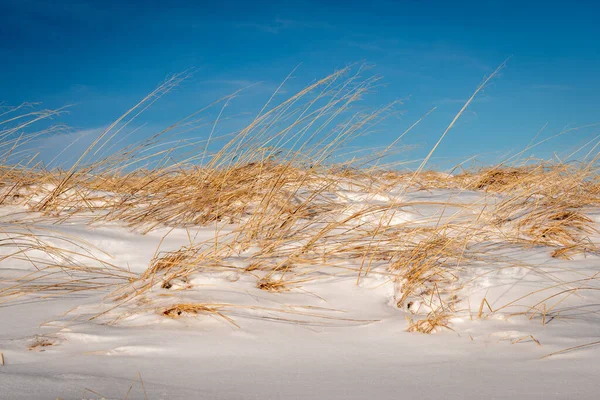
[(333, 340)]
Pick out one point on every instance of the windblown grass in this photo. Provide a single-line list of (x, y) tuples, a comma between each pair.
[(275, 186)]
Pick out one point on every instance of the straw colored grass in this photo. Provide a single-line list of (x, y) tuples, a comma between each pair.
[(432, 323), (187, 309), (276, 194)]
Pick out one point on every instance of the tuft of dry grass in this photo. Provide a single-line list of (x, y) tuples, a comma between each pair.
[(272, 285), (567, 252), (564, 227), (183, 309), (432, 323), (499, 180), (428, 269), (39, 343)]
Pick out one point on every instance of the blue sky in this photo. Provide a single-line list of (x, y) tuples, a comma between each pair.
[(103, 56)]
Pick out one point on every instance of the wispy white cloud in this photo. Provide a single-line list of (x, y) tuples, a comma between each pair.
[(64, 148), (427, 52)]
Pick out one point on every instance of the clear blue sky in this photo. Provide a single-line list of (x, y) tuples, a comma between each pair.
[(103, 56)]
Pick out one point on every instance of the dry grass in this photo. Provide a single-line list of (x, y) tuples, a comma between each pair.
[(567, 252), (432, 323), (428, 269), (274, 187), (499, 180), (39, 343), (547, 204), (192, 309), (272, 285)]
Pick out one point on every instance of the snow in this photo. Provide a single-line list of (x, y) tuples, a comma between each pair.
[(326, 338)]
